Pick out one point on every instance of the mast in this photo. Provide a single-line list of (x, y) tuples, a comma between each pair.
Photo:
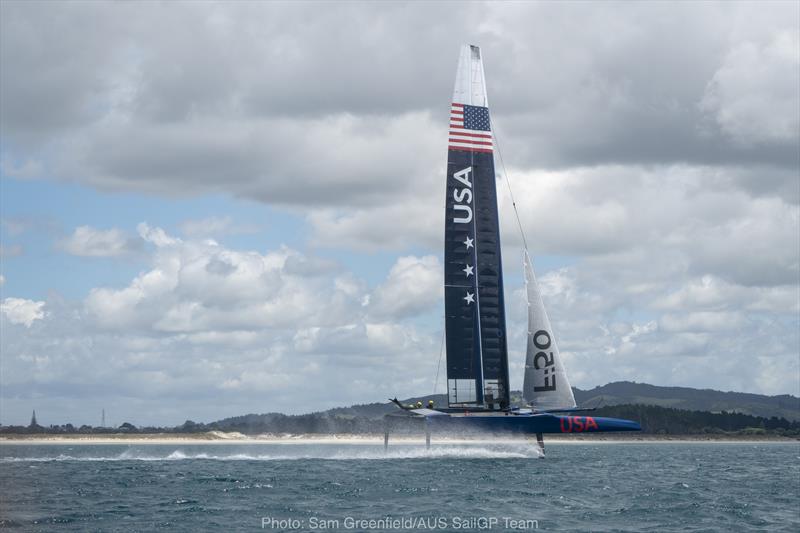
[(477, 358)]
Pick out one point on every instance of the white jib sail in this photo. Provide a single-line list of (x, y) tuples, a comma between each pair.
[(546, 385)]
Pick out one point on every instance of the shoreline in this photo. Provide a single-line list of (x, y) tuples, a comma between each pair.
[(218, 437)]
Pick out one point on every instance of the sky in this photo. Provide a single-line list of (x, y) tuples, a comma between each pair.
[(211, 209)]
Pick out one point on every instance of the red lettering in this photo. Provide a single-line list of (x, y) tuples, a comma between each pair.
[(576, 424)]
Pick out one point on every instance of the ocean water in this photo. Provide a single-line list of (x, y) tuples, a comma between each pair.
[(359, 487)]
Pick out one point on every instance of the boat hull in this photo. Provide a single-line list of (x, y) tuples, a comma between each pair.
[(530, 423)]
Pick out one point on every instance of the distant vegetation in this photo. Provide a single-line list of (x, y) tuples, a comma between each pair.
[(626, 392), (669, 421), (660, 410)]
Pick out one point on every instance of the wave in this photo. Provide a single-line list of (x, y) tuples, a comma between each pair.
[(396, 452)]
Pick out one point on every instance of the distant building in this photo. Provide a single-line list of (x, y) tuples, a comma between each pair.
[(33, 423)]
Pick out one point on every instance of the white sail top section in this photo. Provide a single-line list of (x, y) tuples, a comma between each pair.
[(546, 386), (470, 88)]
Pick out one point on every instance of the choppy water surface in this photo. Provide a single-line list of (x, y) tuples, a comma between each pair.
[(307, 487)]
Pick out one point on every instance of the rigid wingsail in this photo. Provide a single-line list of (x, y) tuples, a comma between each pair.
[(478, 386)]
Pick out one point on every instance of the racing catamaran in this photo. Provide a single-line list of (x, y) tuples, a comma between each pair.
[(478, 389)]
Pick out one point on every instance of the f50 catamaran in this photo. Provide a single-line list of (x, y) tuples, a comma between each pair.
[(478, 390)]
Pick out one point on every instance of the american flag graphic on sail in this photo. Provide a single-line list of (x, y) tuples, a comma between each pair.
[(470, 128)]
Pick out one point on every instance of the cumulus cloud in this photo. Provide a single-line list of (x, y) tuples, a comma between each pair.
[(200, 285), (409, 222), (708, 333), (642, 215), (753, 95), (207, 322), (414, 285), (208, 331), (22, 311), (711, 293), (87, 241)]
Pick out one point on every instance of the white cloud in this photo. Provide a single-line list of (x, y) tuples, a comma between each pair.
[(207, 331), (688, 216), (754, 94), (200, 286), (255, 334), (702, 321), (709, 293), (156, 236), (87, 241), (412, 219), (22, 311), (216, 226), (413, 286)]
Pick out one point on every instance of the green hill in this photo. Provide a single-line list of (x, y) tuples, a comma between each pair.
[(626, 392)]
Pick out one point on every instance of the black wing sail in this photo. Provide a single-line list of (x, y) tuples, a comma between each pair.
[(477, 357)]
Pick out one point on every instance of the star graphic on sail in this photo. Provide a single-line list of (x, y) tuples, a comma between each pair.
[(470, 297), (468, 243), (468, 270)]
